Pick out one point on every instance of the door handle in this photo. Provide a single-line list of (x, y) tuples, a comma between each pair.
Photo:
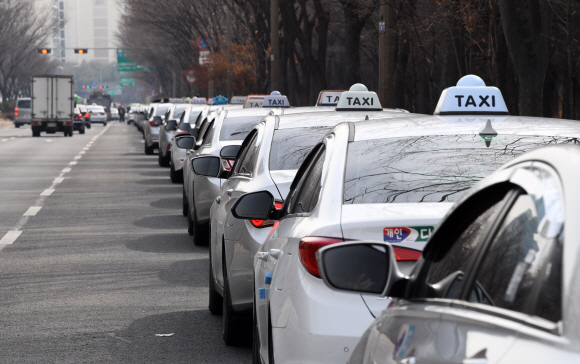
[(275, 253), (263, 256), (218, 199), (229, 192)]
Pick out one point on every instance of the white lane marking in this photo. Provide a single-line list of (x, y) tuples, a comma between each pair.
[(32, 211), (48, 141), (57, 180), (47, 192), (4, 140), (72, 163), (10, 237), (11, 138), (141, 141), (82, 152), (78, 157), (66, 170)]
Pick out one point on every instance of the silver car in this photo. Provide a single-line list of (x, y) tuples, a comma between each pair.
[(496, 280), (186, 122), (151, 126), (270, 157), (166, 132), (23, 111), (97, 114)]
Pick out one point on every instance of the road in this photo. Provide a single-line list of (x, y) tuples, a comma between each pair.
[(103, 262)]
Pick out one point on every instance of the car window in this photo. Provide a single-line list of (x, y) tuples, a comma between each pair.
[(434, 168), (246, 161), (207, 138), (522, 270), (306, 195), (237, 128), (291, 146), (193, 116), (178, 111), (24, 104)]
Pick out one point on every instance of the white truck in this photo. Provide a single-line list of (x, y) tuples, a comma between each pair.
[(52, 104)]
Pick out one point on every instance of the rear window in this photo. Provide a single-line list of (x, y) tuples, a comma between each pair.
[(24, 104), (161, 110), (178, 111), (96, 108), (193, 115), (291, 146), (435, 168), (237, 128)]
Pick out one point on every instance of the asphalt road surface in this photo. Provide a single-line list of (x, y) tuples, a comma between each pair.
[(95, 257)]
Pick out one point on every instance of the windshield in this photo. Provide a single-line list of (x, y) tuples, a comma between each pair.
[(161, 110), (429, 168), (23, 104), (178, 111), (237, 128), (290, 146)]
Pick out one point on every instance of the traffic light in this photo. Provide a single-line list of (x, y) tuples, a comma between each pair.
[(44, 50), (81, 50), (86, 86)]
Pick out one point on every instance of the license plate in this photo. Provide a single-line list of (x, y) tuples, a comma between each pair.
[(51, 125)]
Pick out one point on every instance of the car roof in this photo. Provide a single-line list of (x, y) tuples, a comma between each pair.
[(332, 117), (425, 125)]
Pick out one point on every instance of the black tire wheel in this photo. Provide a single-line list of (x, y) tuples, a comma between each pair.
[(35, 133), (215, 299), (89, 126), (256, 359), (82, 131), (148, 150), (164, 161), (16, 125), (200, 233), (189, 223), (184, 204), (176, 177), (237, 331), (270, 340), (105, 123)]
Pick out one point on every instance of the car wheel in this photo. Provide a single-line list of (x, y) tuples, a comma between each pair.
[(16, 125), (82, 131), (184, 204), (256, 335), (35, 133), (199, 232), (148, 150), (189, 223), (105, 123), (215, 299)]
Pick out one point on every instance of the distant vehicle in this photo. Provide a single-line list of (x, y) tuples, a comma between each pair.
[(52, 104), (79, 123), (86, 114), (22, 111), (97, 114), (114, 113), (103, 100)]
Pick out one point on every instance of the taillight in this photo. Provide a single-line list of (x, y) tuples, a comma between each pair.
[(35, 122), (406, 254), (228, 164), (78, 117), (168, 146), (16, 109), (86, 115), (15, 113), (265, 223), (308, 248), (152, 122)]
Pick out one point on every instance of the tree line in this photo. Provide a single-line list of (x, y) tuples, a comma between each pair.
[(528, 48)]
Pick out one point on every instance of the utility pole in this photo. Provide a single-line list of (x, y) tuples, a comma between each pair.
[(274, 47), (386, 56), (230, 90)]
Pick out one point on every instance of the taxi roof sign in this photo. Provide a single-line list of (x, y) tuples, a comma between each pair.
[(471, 96), (254, 101), (276, 99), (177, 101), (198, 100), (329, 97), (359, 98), (238, 100)]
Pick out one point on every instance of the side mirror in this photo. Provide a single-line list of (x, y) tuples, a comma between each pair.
[(171, 125), (255, 206), (230, 151), (194, 132), (206, 166), (185, 142), (157, 120), (364, 267)]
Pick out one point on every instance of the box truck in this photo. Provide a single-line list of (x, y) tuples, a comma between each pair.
[(52, 104)]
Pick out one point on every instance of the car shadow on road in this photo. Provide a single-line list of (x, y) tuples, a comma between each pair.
[(168, 190), (163, 222), (158, 173), (196, 339), (190, 273), (165, 243), (154, 181), (174, 203)]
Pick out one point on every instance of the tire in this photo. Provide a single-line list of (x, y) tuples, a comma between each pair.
[(184, 204), (82, 131), (235, 332), (199, 232), (189, 223), (148, 150), (215, 299), (176, 177), (16, 125), (89, 125), (163, 161), (35, 133), (105, 123)]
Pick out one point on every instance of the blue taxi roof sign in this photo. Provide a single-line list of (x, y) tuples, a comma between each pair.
[(471, 96), (359, 98), (276, 99)]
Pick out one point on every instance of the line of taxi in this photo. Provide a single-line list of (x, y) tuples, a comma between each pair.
[(334, 225)]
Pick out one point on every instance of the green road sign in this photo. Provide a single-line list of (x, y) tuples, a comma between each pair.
[(127, 82), (114, 91), (125, 65)]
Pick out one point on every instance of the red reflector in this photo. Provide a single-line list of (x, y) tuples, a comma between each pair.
[(265, 223), (78, 117), (182, 160), (69, 123), (227, 164), (168, 146), (308, 248), (36, 123), (406, 254)]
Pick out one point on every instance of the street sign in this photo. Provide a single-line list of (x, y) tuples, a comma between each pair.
[(125, 65), (94, 84), (114, 91), (190, 77), (201, 44), (204, 57), (126, 82)]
